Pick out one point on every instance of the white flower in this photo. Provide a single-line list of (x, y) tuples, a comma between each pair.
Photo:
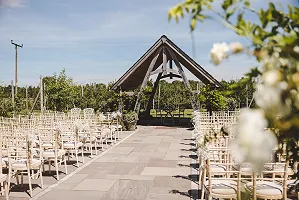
[(236, 47), (219, 52), (271, 77), (296, 49), (252, 143), (269, 99)]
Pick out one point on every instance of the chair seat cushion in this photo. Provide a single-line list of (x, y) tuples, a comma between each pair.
[(117, 126), (265, 188), (22, 164), (4, 152), (223, 187), (5, 162), (51, 153), (47, 145), (71, 145), (3, 177), (217, 169)]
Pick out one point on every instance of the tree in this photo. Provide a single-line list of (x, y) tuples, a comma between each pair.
[(60, 92)]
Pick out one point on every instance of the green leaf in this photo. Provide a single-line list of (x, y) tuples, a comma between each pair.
[(247, 4), (193, 24)]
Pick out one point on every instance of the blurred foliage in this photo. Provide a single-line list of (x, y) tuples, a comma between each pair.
[(274, 42)]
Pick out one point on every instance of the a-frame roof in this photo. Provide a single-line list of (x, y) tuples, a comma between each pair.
[(135, 75)]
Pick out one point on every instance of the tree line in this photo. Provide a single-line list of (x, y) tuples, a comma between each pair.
[(62, 94)]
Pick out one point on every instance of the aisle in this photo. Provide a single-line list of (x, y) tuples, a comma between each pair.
[(153, 163)]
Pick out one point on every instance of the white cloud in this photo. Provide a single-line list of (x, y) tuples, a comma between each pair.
[(13, 3)]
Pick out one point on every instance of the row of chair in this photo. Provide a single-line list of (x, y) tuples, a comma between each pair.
[(28, 144), (220, 176)]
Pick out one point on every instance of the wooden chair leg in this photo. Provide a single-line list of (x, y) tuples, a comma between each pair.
[(65, 164), (6, 188), (17, 178), (41, 177), (29, 183), (96, 147), (57, 169), (76, 152), (22, 179), (9, 180), (82, 153)]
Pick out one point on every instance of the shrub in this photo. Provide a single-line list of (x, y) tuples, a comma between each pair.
[(130, 120)]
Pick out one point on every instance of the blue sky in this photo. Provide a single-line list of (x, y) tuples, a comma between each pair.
[(97, 40)]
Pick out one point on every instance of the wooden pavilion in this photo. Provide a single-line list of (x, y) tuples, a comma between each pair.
[(158, 60)]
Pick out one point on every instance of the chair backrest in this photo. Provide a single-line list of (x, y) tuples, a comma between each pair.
[(213, 178), (263, 176), (75, 113), (88, 113)]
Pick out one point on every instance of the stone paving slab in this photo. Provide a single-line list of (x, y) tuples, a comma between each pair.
[(151, 164), (95, 184)]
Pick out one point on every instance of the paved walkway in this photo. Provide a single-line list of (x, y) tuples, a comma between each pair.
[(152, 163)]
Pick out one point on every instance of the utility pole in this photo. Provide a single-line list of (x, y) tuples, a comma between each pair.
[(26, 97), (45, 97), (12, 96), (41, 95), (82, 91), (16, 69)]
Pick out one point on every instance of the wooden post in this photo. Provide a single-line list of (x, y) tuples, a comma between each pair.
[(82, 92), (170, 66), (41, 95), (35, 101), (26, 97), (12, 96), (145, 80), (181, 72), (45, 97), (16, 70), (159, 93), (156, 84), (164, 66)]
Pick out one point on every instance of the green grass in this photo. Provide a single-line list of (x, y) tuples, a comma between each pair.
[(187, 113)]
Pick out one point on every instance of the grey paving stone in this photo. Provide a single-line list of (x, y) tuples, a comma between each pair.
[(73, 195), (151, 164), (95, 184), (121, 150), (152, 140), (145, 148), (164, 171), (76, 178), (142, 159), (167, 196), (137, 177), (129, 190), (66, 186), (155, 162), (128, 169), (174, 182)]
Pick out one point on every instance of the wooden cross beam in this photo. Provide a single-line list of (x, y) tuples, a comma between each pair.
[(146, 79), (171, 75), (181, 72), (168, 70)]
